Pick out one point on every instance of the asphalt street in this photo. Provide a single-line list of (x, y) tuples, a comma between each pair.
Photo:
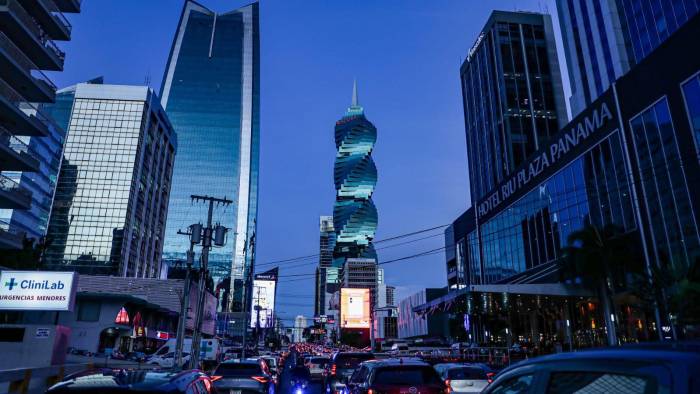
[(284, 386)]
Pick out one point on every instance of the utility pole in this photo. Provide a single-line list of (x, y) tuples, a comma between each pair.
[(218, 233), (246, 285), (184, 308)]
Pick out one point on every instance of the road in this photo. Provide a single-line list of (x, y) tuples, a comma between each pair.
[(284, 386)]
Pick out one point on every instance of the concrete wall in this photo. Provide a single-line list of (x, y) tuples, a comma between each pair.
[(85, 335), (36, 349)]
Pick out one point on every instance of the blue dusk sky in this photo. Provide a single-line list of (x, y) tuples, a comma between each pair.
[(405, 55)]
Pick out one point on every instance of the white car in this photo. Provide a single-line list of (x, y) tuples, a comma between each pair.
[(168, 360), (465, 378)]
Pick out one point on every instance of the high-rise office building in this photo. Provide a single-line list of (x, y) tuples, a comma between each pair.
[(354, 213), (326, 273), (603, 39), (111, 201), (30, 142), (512, 95), (210, 91), (362, 274)]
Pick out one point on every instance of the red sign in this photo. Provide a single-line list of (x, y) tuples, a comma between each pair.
[(164, 335)]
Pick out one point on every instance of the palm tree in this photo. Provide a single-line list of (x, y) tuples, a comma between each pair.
[(595, 258)]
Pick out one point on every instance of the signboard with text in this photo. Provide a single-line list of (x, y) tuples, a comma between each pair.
[(598, 121), (37, 290), (354, 308)]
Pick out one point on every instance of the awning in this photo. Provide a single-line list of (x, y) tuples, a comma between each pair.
[(545, 289)]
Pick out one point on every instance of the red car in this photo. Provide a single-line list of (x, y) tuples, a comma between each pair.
[(396, 376)]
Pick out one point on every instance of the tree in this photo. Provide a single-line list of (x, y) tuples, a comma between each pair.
[(28, 258), (598, 259)]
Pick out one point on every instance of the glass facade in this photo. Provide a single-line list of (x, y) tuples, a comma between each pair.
[(210, 91), (111, 199), (354, 213), (691, 94), (512, 96), (592, 189), (651, 22), (664, 184), (42, 184)]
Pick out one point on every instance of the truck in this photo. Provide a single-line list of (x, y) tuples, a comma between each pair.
[(209, 348)]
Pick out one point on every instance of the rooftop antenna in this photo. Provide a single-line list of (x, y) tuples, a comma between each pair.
[(354, 92)]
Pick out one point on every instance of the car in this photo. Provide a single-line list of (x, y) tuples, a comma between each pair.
[(395, 376), (465, 378), (668, 369), (243, 376), (341, 366), (167, 360), (399, 349), (317, 367), (114, 381), (272, 364)]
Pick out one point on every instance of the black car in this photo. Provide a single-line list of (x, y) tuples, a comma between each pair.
[(245, 376), (628, 369), (111, 381), (395, 376), (341, 367)]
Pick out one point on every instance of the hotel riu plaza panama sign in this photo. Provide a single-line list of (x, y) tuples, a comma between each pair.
[(598, 121), (37, 290)]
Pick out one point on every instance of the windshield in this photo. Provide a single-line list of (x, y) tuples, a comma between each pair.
[(407, 376), (466, 373), (352, 361), (238, 370)]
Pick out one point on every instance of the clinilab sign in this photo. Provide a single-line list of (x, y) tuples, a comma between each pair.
[(37, 290)]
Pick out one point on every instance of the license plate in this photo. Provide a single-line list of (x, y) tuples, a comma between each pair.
[(234, 392)]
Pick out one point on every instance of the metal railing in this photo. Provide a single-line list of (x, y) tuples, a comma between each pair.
[(21, 103), (24, 62), (16, 8), (8, 185), (13, 142)]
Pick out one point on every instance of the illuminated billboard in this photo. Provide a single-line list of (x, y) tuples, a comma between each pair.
[(354, 308), (37, 290), (263, 299)]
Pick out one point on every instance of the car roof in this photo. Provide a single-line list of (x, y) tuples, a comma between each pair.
[(117, 380), (650, 355), (396, 362), (246, 361)]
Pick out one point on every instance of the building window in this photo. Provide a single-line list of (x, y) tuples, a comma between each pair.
[(664, 186), (691, 94), (89, 311)]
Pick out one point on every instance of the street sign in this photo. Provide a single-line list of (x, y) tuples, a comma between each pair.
[(42, 332)]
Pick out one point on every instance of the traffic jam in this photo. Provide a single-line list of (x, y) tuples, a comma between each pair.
[(303, 368)]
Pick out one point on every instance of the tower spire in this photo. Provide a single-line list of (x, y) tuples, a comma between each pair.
[(354, 93)]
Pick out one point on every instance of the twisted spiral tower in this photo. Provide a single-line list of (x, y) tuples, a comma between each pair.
[(354, 213)]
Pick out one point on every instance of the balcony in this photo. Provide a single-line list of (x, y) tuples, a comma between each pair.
[(15, 154), (17, 70), (9, 238), (68, 5), (12, 195), (26, 33), (13, 115), (49, 17)]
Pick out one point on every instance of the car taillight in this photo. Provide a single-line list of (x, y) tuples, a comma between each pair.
[(449, 388), (261, 379), (215, 378), (333, 370), (489, 376), (370, 391)]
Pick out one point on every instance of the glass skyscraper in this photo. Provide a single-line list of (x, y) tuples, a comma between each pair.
[(354, 213), (326, 273), (110, 205), (210, 91), (603, 39), (513, 97)]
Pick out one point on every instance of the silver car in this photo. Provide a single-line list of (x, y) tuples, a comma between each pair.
[(243, 376), (465, 378)]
